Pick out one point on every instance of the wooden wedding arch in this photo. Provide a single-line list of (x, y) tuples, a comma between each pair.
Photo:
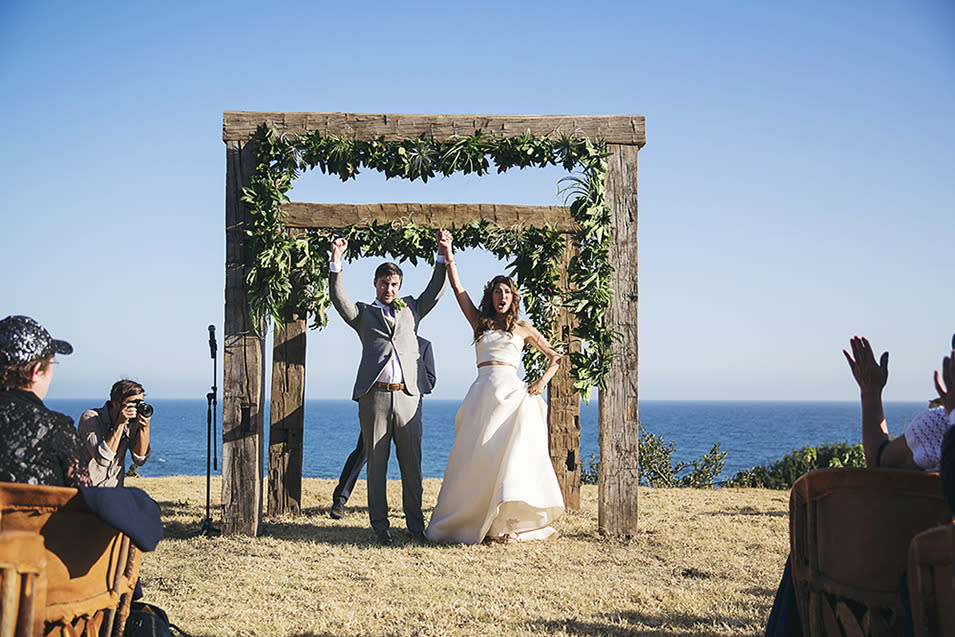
[(244, 346)]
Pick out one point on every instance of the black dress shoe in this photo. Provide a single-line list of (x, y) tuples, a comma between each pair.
[(338, 511), (383, 537), (418, 537)]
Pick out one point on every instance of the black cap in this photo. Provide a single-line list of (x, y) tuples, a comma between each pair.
[(23, 340)]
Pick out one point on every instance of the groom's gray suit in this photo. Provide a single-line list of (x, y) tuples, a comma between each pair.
[(389, 414)]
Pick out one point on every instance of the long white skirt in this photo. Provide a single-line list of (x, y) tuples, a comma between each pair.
[(499, 482)]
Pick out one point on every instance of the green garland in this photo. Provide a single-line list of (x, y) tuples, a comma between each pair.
[(291, 270)]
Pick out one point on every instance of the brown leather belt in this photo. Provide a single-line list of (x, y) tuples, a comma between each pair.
[(389, 386)]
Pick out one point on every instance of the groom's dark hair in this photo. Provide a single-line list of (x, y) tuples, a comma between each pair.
[(387, 269)]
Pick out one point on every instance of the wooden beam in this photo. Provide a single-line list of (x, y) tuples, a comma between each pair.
[(338, 215), (243, 375), (563, 402), (618, 474), (615, 129), (287, 415)]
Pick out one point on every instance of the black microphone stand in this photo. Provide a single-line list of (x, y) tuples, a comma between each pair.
[(207, 528)]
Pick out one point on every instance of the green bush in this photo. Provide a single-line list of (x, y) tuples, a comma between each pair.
[(658, 470), (783, 473)]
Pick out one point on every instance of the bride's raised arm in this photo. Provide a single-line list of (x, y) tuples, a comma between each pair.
[(471, 313)]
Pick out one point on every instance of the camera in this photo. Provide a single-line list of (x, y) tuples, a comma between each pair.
[(143, 408)]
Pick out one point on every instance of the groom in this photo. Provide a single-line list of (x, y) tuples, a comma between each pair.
[(386, 387)]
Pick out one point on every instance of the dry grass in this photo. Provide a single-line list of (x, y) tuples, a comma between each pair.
[(704, 562)]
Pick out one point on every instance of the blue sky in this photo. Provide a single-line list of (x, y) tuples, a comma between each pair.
[(796, 187)]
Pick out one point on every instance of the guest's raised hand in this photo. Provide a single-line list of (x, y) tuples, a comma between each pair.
[(870, 376), (339, 246), (945, 383)]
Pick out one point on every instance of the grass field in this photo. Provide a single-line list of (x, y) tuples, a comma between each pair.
[(703, 562)]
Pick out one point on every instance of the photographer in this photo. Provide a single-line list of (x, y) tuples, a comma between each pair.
[(121, 424)]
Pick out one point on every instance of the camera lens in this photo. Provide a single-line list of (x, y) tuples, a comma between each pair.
[(145, 409)]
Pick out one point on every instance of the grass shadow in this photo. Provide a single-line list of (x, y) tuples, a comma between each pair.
[(636, 624), (749, 512)]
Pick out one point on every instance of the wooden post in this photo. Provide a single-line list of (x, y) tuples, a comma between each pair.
[(563, 403), (287, 416), (243, 374), (618, 474)]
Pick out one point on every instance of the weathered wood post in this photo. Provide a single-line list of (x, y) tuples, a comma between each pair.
[(618, 474), (287, 415), (243, 374), (563, 402)]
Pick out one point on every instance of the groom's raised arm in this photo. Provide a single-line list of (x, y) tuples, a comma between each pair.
[(336, 285)]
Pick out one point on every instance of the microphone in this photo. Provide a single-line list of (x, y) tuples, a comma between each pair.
[(212, 341)]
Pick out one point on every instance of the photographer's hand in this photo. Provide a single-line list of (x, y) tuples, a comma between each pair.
[(140, 445), (120, 415)]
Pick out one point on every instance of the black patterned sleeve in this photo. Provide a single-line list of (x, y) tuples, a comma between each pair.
[(74, 458)]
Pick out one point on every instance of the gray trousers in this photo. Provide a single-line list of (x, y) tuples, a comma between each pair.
[(385, 416)]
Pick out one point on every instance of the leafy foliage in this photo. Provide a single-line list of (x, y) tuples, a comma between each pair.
[(783, 473), (290, 271), (658, 470)]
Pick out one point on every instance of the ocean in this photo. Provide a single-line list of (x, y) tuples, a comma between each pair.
[(751, 433)]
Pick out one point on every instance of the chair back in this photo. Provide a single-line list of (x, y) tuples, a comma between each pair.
[(931, 587), (22, 584), (91, 568), (849, 532)]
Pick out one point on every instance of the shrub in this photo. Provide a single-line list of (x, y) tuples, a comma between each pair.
[(783, 473), (658, 470)]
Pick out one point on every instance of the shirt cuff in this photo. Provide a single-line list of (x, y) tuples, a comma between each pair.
[(139, 460), (334, 267), (440, 258)]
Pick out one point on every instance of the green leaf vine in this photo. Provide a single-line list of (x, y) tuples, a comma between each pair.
[(290, 270)]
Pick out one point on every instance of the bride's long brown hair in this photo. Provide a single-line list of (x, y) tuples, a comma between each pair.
[(487, 320)]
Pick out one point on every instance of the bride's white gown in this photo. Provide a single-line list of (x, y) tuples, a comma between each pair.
[(499, 480)]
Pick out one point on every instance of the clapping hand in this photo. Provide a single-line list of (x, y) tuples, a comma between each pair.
[(870, 376), (945, 383)]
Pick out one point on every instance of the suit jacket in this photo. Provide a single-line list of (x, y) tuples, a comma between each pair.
[(426, 374), (378, 339)]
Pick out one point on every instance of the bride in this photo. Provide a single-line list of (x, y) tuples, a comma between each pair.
[(499, 482)]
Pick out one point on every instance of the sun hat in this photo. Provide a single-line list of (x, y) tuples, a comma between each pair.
[(23, 340)]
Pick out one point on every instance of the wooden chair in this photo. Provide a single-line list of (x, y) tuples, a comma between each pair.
[(91, 568), (849, 532), (22, 584), (931, 586)]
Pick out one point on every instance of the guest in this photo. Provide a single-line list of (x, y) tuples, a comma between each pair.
[(945, 384), (920, 445), (356, 460), (37, 445), (109, 431)]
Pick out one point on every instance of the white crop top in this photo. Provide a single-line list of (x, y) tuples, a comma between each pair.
[(499, 346)]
